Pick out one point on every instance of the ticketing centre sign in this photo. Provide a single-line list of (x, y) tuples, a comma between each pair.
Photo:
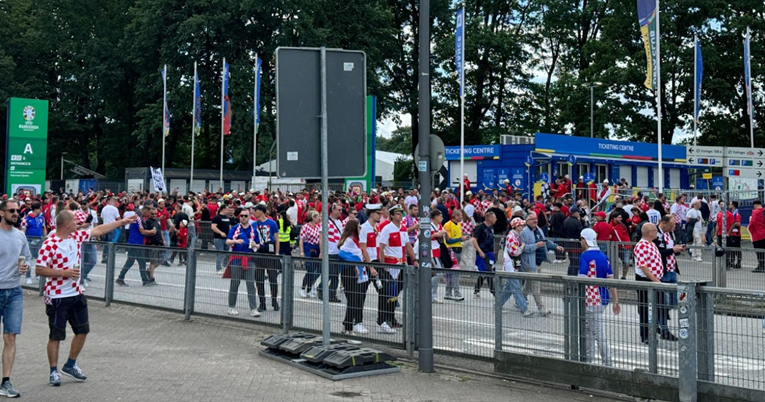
[(474, 152), (598, 147)]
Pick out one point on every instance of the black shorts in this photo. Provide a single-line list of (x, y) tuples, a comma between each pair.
[(73, 310)]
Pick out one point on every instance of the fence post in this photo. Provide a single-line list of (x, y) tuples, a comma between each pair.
[(410, 307), (653, 343), (687, 363), (715, 275), (498, 311), (705, 334), (111, 255), (288, 290), (188, 294), (571, 321)]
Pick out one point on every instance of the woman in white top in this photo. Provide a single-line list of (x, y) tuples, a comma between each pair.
[(355, 278), (697, 228)]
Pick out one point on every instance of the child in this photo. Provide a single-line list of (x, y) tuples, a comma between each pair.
[(183, 237)]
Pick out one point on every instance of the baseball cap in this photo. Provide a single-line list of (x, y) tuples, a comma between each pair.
[(590, 237), (600, 214), (574, 210)]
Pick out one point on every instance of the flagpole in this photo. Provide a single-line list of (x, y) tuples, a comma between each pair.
[(749, 88), (193, 123), (462, 113), (658, 94), (255, 125), (164, 110), (695, 86), (222, 118)]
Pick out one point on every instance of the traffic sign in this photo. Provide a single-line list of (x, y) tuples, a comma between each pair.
[(743, 153), (744, 173), (705, 156)]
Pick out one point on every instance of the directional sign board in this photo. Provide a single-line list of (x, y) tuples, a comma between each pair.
[(705, 156), (744, 163)]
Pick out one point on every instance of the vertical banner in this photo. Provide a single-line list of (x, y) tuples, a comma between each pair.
[(256, 117), (26, 145), (747, 75), (158, 181), (197, 105), (459, 49), (258, 64), (647, 19), (699, 74), (359, 184), (225, 101), (165, 109)]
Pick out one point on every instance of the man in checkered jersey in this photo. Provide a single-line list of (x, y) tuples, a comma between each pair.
[(594, 264), (648, 268), (64, 300)]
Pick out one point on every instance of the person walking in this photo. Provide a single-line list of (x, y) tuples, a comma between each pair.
[(310, 247), (695, 225), (483, 241), (59, 261), (220, 225), (757, 231), (268, 233), (355, 278), (535, 246), (334, 230), (33, 226), (512, 263), (163, 216), (13, 246), (394, 247), (620, 235), (594, 264), (242, 238), (136, 252)]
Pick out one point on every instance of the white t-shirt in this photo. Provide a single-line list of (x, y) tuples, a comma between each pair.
[(653, 216), (411, 200), (110, 214), (695, 213), (469, 210)]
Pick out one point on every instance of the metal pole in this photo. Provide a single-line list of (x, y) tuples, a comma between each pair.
[(658, 95), (462, 114), (425, 324), (255, 124), (164, 105), (750, 105), (193, 122), (695, 87), (62, 165), (324, 202), (592, 111), (222, 119)]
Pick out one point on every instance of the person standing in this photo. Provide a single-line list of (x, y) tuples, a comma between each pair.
[(310, 247), (512, 263), (13, 245), (178, 218), (163, 215), (668, 250), (535, 246), (153, 254), (454, 242), (334, 230), (355, 278), (33, 226), (594, 264), (220, 226), (648, 268), (59, 261), (757, 230), (695, 225), (714, 209), (188, 209), (483, 241), (89, 250), (394, 248), (242, 238), (620, 235), (572, 227), (268, 234)]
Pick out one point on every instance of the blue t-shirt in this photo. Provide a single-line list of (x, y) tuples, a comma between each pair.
[(34, 225), (602, 269), (244, 234), (134, 234), (268, 230)]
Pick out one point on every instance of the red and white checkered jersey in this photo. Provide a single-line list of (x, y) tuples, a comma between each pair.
[(435, 247), (485, 205), (671, 260), (592, 293), (468, 227), (512, 248), (368, 235), (647, 255), (311, 234), (62, 254), (80, 217), (334, 231), (395, 240)]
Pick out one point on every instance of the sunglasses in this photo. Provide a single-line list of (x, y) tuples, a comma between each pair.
[(244, 216), (11, 210)]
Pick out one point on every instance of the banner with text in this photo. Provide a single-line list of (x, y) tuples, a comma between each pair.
[(26, 145)]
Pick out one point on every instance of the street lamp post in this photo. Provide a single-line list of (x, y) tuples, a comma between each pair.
[(592, 86), (62, 165)]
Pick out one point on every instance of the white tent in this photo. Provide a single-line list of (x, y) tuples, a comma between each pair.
[(384, 162)]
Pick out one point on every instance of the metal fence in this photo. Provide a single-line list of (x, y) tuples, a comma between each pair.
[(555, 333)]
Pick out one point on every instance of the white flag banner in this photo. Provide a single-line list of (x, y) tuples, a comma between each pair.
[(157, 180)]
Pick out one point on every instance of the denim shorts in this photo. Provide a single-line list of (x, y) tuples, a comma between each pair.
[(11, 309)]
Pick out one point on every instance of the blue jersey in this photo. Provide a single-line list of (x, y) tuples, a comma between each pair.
[(134, 234), (594, 264), (34, 225), (244, 234), (268, 231)]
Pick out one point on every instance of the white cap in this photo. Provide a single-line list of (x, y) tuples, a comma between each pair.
[(248, 205), (262, 203), (373, 207), (161, 200), (468, 192), (590, 237), (605, 181)]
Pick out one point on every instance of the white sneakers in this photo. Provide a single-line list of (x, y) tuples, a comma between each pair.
[(528, 314), (384, 328), (360, 329), (312, 293), (254, 313), (29, 281), (303, 293), (436, 301), (232, 311)]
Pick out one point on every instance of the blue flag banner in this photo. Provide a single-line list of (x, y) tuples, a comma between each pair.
[(647, 19), (459, 49), (699, 75), (747, 75), (197, 106), (258, 63), (165, 109), (226, 101)]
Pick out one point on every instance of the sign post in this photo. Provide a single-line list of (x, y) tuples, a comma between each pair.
[(26, 145)]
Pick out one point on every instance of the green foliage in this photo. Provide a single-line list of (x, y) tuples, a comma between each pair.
[(403, 171), (98, 63)]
